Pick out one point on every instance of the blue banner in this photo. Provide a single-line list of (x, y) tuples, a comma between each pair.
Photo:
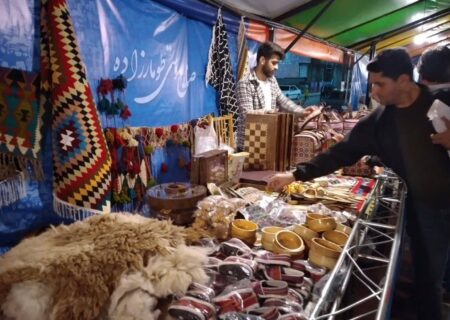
[(161, 53)]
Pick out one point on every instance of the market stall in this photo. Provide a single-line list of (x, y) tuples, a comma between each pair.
[(121, 126)]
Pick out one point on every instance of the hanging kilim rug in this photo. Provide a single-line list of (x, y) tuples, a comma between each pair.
[(20, 121), (219, 72), (81, 162)]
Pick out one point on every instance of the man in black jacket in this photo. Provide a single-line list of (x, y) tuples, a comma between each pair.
[(399, 134), (434, 71)]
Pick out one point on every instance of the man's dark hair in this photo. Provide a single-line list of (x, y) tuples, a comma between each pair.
[(392, 63), (434, 65), (268, 49)]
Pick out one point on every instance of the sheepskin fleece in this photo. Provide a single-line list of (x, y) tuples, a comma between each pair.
[(80, 265), (137, 294)]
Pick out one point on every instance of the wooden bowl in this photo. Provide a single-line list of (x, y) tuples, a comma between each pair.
[(288, 242), (325, 248), (313, 216), (175, 188), (244, 230), (322, 224), (305, 233), (321, 261), (268, 235), (338, 237)]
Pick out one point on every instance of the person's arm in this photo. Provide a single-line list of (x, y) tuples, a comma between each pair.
[(356, 144), (244, 97), (284, 103), (245, 103)]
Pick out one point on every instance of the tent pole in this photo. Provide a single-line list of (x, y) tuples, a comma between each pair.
[(348, 75), (271, 34), (310, 24), (373, 48)]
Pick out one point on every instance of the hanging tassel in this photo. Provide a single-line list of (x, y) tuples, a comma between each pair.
[(105, 87), (103, 105), (159, 132), (125, 113), (174, 128), (120, 83)]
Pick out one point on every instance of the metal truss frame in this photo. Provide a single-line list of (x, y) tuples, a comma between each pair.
[(369, 259)]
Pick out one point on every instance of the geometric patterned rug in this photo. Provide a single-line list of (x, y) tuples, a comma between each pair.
[(81, 161), (20, 121)]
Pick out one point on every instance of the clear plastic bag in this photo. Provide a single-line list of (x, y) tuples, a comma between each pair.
[(284, 215), (205, 139)]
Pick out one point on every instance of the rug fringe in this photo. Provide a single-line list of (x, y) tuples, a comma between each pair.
[(12, 189), (24, 164), (70, 211)]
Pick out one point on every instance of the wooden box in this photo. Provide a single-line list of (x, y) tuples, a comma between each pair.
[(210, 166), (268, 141)]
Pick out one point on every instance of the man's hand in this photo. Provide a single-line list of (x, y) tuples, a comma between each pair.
[(308, 110), (443, 138), (304, 112), (279, 180)]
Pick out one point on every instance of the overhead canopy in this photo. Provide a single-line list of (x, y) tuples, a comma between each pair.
[(356, 24)]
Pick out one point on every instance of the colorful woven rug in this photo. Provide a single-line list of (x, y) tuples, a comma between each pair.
[(81, 162), (20, 121)]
